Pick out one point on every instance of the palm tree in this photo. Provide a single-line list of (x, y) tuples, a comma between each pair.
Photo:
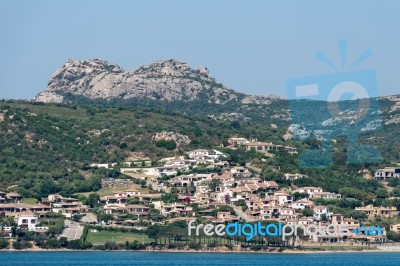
[(3, 224), (13, 224)]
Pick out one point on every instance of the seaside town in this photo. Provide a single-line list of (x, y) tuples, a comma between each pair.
[(199, 133), (202, 185)]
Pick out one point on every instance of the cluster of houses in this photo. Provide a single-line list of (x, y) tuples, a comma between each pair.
[(24, 215), (172, 166), (250, 197)]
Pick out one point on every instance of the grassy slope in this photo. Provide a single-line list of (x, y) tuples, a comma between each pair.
[(98, 238)]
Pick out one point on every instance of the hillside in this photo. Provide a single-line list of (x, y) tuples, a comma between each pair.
[(107, 115), (173, 86), (42, 142), (47, 148)]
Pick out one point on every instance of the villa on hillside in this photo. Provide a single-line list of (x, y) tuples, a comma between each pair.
[(296, 176), (371, 211), (237, 141), (268, 146), (395, 228), (326, 195), (21, 207), (309, 190), (387, 172), (11, 197), (322, 211), (262, 146)]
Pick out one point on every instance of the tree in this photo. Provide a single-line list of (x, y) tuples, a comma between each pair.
[(153, 230), (324, 218), (93, 200), (396, 191), (352, 193), (123, 145), (214, 184), (13, 224), (104, 217), (63, 242), (168, 144), (298, 195), (4, 243), (307, 212), (393, 236), (382, 193), (53, 243), (113, 173)]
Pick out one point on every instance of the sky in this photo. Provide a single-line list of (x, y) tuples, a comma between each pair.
[(250, 46)]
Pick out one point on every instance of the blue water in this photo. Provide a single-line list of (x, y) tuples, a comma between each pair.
[(188, 259)]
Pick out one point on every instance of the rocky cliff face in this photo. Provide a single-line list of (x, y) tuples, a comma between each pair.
[(168, 80)]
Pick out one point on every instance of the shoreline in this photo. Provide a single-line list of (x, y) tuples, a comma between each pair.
[(283, 252)]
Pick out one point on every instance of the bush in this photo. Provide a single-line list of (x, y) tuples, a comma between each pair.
[(168, 144), (22, 244), (393, 236), (52, 244), (195, 246), (171, 246), (4, 243), (111, 246), (212, 245), (135, 245), (256, 248), (77, 244), (230, 246)]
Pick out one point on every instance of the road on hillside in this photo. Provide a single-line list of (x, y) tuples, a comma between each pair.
[(241, 214)]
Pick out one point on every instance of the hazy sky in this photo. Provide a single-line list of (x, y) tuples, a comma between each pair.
[(250, 46)]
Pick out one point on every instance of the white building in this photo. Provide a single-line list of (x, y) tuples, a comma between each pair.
[(320, 211), (387, 172), (301, 204), (309, 190), (296, 176), (29, 221), (284, 198), (326, 195), (205, 154), (236, 141), (100, 165)]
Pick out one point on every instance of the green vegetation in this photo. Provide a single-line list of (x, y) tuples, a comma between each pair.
[(47, 148), (65, 140), (340, 248), (4, 243), (168, 144), (102, 237), (29, 201)]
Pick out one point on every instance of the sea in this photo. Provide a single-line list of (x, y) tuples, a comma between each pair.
[(191, 259)]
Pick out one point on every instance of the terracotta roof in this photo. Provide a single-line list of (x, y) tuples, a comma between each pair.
[(24, 205), (252, 186), (272, 184), (136, 206)]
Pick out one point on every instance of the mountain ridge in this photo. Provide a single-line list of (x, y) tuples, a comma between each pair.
[(169, 80)]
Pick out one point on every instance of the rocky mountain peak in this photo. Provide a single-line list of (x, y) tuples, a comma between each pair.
[(168, 80), (74, 70)]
